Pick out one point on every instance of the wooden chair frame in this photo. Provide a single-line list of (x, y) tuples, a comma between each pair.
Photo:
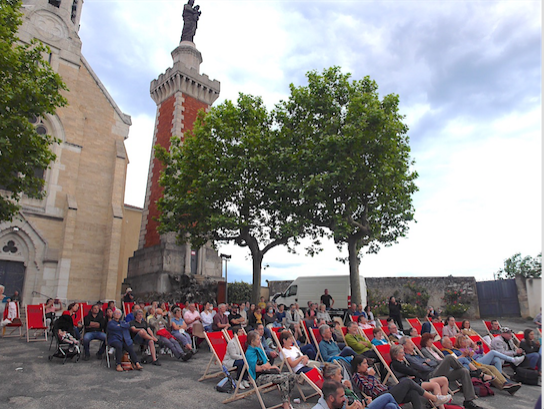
[(213, 339)]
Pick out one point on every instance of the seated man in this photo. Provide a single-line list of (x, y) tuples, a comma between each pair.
[(142, 335), (95, 325), (293, 321), (360, 311), (220, 320), (120, 339), (426, 327), (450, 367), (235, 319), (361, 345), (505, 345), (130, 317), (159, 326), (329, 348), (394, 335), (270, 353)]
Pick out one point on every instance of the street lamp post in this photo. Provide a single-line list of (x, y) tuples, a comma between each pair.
[(226, 257)]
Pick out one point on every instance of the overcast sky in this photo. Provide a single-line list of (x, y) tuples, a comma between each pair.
[(468, 74)]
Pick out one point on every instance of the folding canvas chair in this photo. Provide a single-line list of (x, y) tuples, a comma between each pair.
[(104, 307), (14, 325), (218, 347), (35, 321), (127, 307), (258, 390), (438, 327), (459, 323), (306, 332), (383, 323), (415, 323), (384, 353), (316, 339), (314, 379), (79, 315), (477, 338), (85, 308), (519, 337), (228, 334), (276, 338), (369, 333), (181, 305)]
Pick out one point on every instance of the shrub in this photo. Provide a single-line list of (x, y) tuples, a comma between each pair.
[(457, 310)]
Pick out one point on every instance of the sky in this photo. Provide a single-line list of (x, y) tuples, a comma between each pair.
[(468, 74)]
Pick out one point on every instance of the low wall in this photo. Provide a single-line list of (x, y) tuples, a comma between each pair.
[(529, 296), (384, 287)]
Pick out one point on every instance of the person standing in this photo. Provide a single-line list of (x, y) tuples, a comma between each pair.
[(327, 300), (395, 312)]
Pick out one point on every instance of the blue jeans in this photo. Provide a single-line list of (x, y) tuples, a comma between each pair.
[(494, 358), (89, 336), (309, 350), (385, 401), (119, 347), (534, 360), (77, 334), (347, 351), (239, 364)]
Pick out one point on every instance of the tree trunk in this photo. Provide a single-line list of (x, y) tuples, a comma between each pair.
[(257, 265), (353, 252)]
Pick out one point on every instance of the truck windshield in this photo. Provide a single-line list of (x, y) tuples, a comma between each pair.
[(291, 291)]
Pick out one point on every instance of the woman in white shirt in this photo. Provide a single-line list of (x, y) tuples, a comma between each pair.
[(295, 358), (207, 317), (233, 357)]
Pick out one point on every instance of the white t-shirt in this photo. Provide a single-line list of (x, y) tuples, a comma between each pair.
[(293, 353), (207, 317)]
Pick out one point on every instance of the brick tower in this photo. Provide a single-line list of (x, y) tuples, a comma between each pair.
[(179, 94)]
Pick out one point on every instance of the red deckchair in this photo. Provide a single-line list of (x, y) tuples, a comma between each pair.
[(316, 339), (415, 323), (218, 347), (35, 320), (14, 324), (127, 307)]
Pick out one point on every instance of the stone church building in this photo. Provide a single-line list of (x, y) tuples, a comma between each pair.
[(79, 242), (71, 245)]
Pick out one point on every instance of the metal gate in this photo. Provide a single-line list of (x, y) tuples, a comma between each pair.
[(498, 298)]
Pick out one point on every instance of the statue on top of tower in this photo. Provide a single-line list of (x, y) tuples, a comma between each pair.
[(190, 20)]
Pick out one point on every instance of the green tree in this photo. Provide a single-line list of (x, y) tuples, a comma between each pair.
[(352, 160), (527, 267), (29, 87), (239, 292), (226, 182)]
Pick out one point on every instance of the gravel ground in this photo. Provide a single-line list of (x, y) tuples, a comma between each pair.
[(30, 380)]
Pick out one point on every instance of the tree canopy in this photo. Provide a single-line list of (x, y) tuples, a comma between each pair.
[(29, 88), (528, 267), (352, 158), (226, 182)]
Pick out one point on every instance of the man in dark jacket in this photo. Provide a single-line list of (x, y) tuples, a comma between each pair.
[(119, 338), (94, 324)]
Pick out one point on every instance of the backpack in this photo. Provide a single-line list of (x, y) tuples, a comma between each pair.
[(225, 385), (482, 388), (527, 376)]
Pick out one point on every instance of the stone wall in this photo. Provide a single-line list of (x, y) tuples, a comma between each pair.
[(529, 296), (436, 286), (385, 287)]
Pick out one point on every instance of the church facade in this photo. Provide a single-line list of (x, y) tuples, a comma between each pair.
[(70, 245)]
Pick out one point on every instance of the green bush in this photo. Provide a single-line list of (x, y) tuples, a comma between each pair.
[(412, 311), (239, 292), (457, 310)]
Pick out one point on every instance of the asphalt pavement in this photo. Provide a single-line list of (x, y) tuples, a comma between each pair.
[(30, 381)]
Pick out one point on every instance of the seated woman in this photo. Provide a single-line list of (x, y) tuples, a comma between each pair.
[(370, 316), (233, 357), (254, 317), (476, 352), (295, 358), (531, 346), (72, 312), (499, 381), (269, 319), (429, 352), (405, 391), (466, 329), (450, 328), (263, 372), (50, 312), (438, 385), (178, 329), (363, 322), (379, 337)]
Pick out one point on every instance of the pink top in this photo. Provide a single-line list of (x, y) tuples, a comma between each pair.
[(190, 317)]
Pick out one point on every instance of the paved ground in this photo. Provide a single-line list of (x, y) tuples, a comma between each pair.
[(30, 381)]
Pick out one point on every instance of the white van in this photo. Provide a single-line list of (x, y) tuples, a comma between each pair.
[(305, 289)]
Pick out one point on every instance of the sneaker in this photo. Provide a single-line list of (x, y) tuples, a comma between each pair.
[(246, 383), (156, 362), (441, 399), (469, 404), (241, 385), (111, 351), (187, 356), (518, 360)]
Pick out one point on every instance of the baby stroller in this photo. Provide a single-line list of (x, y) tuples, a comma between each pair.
[(67, 347)]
